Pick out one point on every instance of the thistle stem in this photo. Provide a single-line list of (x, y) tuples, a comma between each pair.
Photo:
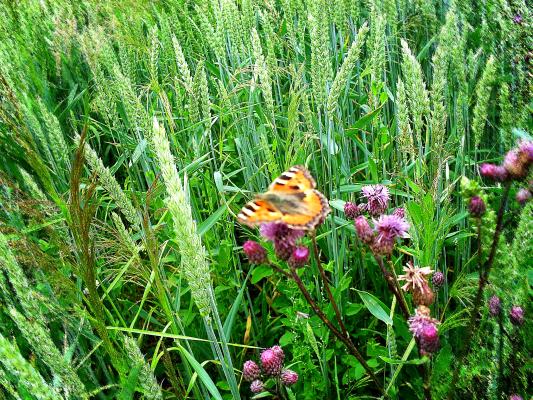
[(393, 287), (484, 272), (326, 286), (347, 342)]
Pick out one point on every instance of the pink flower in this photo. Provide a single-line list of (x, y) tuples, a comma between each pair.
[(514, 164), (255, 252), (525, 148), (399, 212), (477, 206), (389, 227), (494, 172), (523, 196), (250, 371), (289, 377), (495, 306), (414, 277), (351, 210), (428, 339), (516, 315), (438, 280), (363, 229), (299, 257), (515, 397), (257, 386), (272, 362), (377, 199), (284, 238)]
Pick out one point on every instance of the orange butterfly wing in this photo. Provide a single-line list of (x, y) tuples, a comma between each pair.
[(258, 212), (296, 181)]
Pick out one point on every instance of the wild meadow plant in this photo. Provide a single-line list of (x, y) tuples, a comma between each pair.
[(132, 134)]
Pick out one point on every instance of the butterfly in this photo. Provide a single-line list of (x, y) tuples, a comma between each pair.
[(291, 198)]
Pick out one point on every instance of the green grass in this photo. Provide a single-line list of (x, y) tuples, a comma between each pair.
[(121, 267)]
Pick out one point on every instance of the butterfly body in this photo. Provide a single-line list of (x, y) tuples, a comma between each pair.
[(291, 198)]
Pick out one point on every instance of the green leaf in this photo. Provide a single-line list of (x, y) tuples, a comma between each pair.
[(230, 319), (416, 361), (261, 272), (372, 304), (202, 374), (128, 389), (206, 225)]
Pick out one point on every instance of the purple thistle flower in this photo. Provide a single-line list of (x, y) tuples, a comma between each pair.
[(383, 246), (284, 238), (250, 371), (255, 252), (516, 315), (424, 329), (389, 227), (523, 195), (257, 386), (377, 197), (518, 19), (495, 306), (399, 212), (514, 164), (351, 210), (272, 362), (299, 257), (525, 149), (494, 172), (477, 206), (363, 229), (428, 340), (288, 377), (438, 280), (515, 397)]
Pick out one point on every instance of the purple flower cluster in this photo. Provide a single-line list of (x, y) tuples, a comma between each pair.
[(516, 315), (271, 367), (495, 306), (424, 330), (477, 206), (386, 228), (283, 237), (516, 164), (438, 280)]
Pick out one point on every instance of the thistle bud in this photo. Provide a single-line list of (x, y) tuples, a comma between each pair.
[(299, 257), (495, 306), (289, 377), (494, 172), (255, 252), (363, 229), (351, 210), (250, 371), (477, 206), (257, 386), (523, 195), (437, 280), (514, 164), (272, 362), (516, 315)]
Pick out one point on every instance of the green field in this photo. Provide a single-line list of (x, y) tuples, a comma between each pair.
[(133, 133)]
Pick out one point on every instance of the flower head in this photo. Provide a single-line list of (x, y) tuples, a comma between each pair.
[(414, 277), (276, 231), (272, 362), (377, 197), (255, 252), (517, 19), (514, 164), (428, 339), (477, 206), (525, 149), (494, 172), (257, 386), (418, 321), (288, 377), (495, 306), (399, 212), (250, 371), (299, 257), (351, 210), (438, 280), (523, 195), (363, 229), (516, 315), (389, 227), (515, 397)]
